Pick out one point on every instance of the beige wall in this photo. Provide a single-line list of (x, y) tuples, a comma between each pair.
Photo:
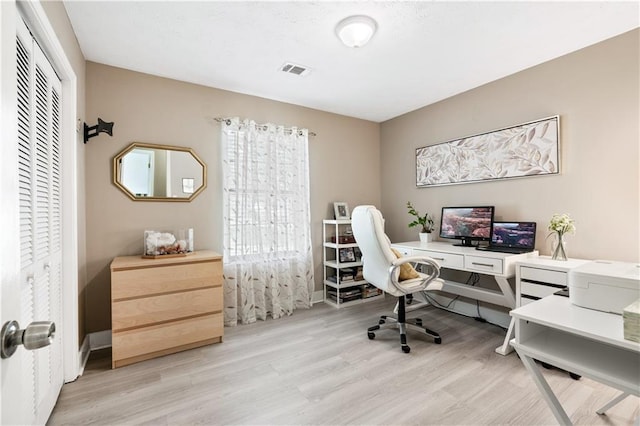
[(62, 26), (344, 162), (596, 93)]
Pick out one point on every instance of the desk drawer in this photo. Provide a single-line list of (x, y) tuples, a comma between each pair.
[(543, 276), (536, 290), (445, 260), (405, 251), (484, 264), (526, 300)]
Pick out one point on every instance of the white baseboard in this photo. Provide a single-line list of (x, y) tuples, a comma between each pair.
[(83, 355), (317, 297), (93, 342), (100, 340)]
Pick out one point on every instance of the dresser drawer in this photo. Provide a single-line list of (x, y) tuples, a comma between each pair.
[(445, 260), (130, 283), (543, 276), (138, 312), (168, 337), (484, 264)]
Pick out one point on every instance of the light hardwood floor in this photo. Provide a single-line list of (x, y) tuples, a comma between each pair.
[(318, 367)]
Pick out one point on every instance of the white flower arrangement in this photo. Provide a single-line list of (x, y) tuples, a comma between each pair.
[(562, 224)]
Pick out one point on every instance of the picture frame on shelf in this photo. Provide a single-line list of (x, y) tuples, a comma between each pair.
[(341, 210), (358, 253), (347, 255)]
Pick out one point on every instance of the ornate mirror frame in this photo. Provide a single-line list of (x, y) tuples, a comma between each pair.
[(188, 188)]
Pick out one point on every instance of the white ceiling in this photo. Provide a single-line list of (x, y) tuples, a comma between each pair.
[(423, 52)]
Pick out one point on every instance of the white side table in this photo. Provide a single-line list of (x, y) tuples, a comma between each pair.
[(585, 341), (538, 277)]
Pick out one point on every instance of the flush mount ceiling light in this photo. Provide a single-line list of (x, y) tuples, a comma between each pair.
[(356, 31)]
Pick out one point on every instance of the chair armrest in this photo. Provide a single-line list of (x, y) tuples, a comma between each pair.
[(414, 285), (424, 260)]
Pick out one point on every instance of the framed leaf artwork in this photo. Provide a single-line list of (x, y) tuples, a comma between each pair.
[(529, 149)]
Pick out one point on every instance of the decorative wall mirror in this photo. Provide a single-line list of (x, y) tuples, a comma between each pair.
[(149, 172)]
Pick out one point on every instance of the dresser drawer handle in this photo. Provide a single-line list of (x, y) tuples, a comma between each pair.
[(438, 258), (488, 265)]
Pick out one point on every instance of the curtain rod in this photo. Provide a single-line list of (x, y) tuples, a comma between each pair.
[(228, 121)]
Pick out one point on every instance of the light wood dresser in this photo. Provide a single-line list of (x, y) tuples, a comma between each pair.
[(165, 305)]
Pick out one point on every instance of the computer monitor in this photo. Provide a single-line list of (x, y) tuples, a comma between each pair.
[(468, 224), (514, 234)]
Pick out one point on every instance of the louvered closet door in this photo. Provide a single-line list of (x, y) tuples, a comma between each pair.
[(39, 162)]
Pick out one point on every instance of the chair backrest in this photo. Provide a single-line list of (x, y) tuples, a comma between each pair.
[(367, 224)]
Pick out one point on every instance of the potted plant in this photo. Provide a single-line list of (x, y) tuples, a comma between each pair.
[(424, 222)]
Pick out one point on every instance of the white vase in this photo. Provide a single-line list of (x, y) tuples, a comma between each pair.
[(426, 237)]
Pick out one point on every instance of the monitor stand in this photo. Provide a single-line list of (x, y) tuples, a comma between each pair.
[(466, 242)]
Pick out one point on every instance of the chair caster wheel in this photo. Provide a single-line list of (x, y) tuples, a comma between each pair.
[(575, 376), (437, 340), (381, 321), (406, 349), (371, 335)]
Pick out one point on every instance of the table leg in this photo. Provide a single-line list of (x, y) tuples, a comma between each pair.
[(507, 292), (506, 348), (545, 389), (510, 300), (613, 402)]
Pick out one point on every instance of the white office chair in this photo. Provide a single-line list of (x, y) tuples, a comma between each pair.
[(381, 267)]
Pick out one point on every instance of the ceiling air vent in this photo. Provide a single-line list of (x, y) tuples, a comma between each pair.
[(291, 68)]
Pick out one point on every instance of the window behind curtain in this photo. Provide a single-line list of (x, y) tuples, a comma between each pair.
[(267, 232)]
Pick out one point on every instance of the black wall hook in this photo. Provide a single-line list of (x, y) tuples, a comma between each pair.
[(102, 126)]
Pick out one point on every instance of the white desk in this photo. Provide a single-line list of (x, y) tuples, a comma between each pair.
[(500, 266), (584, 341)]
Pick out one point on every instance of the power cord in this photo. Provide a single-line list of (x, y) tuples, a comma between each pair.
[(472, 280), (438, 304)]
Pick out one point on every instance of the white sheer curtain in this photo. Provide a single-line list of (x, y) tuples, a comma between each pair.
[(268, 263)]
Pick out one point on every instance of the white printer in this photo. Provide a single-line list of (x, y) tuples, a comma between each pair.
[(605, 285)]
